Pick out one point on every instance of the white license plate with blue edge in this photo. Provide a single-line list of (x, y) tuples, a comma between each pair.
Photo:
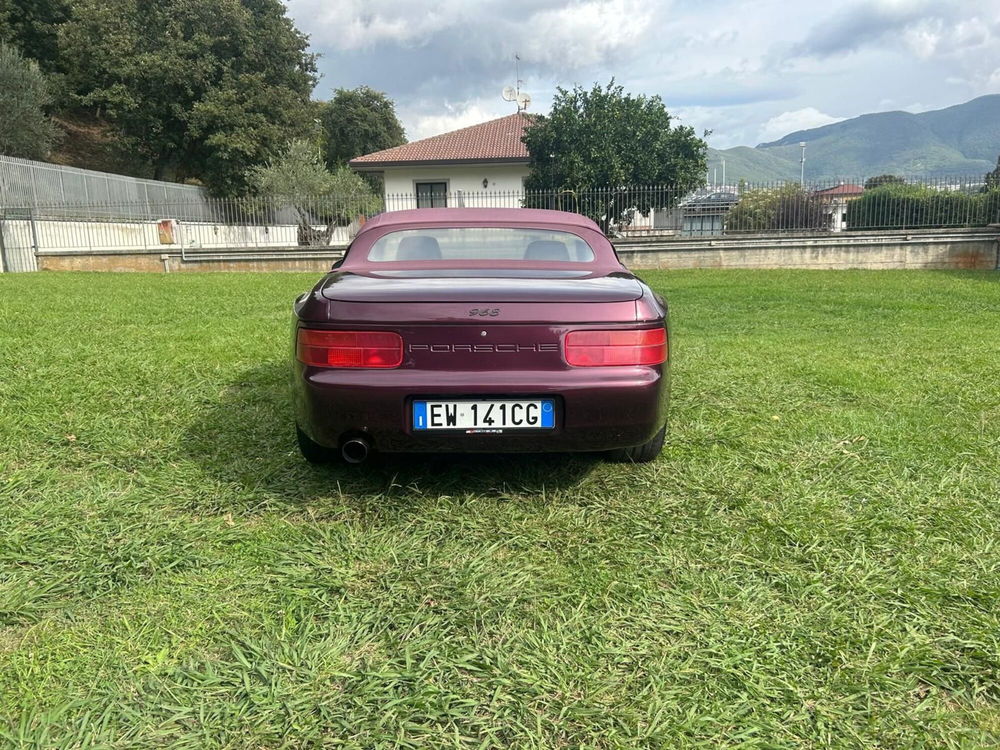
[(485, 414)]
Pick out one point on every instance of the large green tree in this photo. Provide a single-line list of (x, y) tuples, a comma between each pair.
[(32, 26), (599, 145), (25, 129), (359, 121), (201, 88)]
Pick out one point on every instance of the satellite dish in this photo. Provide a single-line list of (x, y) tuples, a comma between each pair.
[(509, 93), (523, 100)]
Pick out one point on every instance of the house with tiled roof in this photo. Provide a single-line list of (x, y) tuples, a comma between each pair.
[(835, 200), (482, 165)]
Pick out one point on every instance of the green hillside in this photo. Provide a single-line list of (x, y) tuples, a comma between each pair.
[(748, 163), (963, 139)]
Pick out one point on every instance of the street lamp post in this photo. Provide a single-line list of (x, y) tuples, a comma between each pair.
[(802, 164)]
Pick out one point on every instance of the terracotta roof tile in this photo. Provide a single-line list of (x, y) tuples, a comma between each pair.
[(841, 190), (496, 140)]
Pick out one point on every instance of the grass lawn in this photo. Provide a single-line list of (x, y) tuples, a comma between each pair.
[(814, 561)]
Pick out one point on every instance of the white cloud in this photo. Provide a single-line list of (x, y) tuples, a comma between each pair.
[(923, 38), (798, 119), (748, 71), (453, 117), (583, 34), (360, 24), (566, 35)]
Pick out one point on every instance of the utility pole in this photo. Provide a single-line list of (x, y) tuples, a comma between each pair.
[(723, 171), (802, 164)]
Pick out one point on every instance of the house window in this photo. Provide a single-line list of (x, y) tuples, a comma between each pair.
[(432, 195)]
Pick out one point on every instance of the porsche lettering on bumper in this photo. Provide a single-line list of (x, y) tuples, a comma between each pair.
[(482, 348)]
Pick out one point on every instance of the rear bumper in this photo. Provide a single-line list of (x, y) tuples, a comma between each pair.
[(598, 408)]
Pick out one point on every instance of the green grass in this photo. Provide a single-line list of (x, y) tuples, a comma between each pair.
[(814, 561)]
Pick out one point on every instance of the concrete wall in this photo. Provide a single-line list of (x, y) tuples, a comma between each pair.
[(504, 179), (174, 262), (958, 249), (955, 249)]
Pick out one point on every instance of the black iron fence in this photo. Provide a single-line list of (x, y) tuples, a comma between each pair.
[(886, 204)]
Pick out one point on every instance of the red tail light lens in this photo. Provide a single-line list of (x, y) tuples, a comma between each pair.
[(349, 348), (605, 348)]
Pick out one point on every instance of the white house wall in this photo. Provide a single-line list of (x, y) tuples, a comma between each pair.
[(504, 188)]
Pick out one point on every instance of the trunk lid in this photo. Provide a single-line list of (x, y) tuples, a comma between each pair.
[(483, 288)]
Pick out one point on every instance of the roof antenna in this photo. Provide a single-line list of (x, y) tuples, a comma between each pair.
[(513, 93)]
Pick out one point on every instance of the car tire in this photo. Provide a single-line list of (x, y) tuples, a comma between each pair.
[(640, 454), (312, 451)]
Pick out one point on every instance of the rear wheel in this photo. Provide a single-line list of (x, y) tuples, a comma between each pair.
[(640, 454), (312, 451)]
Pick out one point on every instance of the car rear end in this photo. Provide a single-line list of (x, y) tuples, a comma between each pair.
[(480, 360)]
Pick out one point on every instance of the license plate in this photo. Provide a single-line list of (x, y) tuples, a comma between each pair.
[(486, 415)]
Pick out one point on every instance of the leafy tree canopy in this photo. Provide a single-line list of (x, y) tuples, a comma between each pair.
[(604, 138), (25, 130), (883, 179), (359, 121), (202, 88), (32, 26)]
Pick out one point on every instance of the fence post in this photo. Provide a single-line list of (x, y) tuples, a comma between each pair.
[(34, 234), (3, 246)]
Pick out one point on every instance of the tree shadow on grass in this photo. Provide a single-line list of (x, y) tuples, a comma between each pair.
[(245, 440)]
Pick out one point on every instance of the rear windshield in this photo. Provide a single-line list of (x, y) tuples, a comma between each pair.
[(481, 243)]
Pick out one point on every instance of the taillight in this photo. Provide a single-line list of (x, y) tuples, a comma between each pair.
[(605, 348), (349, 348)]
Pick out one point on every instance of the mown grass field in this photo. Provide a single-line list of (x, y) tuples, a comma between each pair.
[(814, 561)]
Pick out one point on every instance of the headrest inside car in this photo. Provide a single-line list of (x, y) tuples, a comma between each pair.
[(420, 247), (546, 250)]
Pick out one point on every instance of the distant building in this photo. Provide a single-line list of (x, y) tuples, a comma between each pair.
[(835, 200), (706, 214), (481, 165)]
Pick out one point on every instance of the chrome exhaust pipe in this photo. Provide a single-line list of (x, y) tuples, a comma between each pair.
[(355, 450)]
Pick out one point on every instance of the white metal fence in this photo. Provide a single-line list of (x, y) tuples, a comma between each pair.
[(318, 221), (33, 183)]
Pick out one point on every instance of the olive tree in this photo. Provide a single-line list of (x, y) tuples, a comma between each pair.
[(25, 129), (299, 179)]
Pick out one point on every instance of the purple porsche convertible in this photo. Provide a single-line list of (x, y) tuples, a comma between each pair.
[(480, 330)]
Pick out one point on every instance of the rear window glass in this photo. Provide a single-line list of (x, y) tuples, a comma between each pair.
[(481, 243)]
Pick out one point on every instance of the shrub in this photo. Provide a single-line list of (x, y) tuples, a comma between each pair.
[(789, 206), (898, 206)]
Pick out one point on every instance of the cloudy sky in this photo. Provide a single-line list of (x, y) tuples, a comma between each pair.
[(749, 71)]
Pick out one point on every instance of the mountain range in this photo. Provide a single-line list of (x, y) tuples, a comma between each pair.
[(959, 140)]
